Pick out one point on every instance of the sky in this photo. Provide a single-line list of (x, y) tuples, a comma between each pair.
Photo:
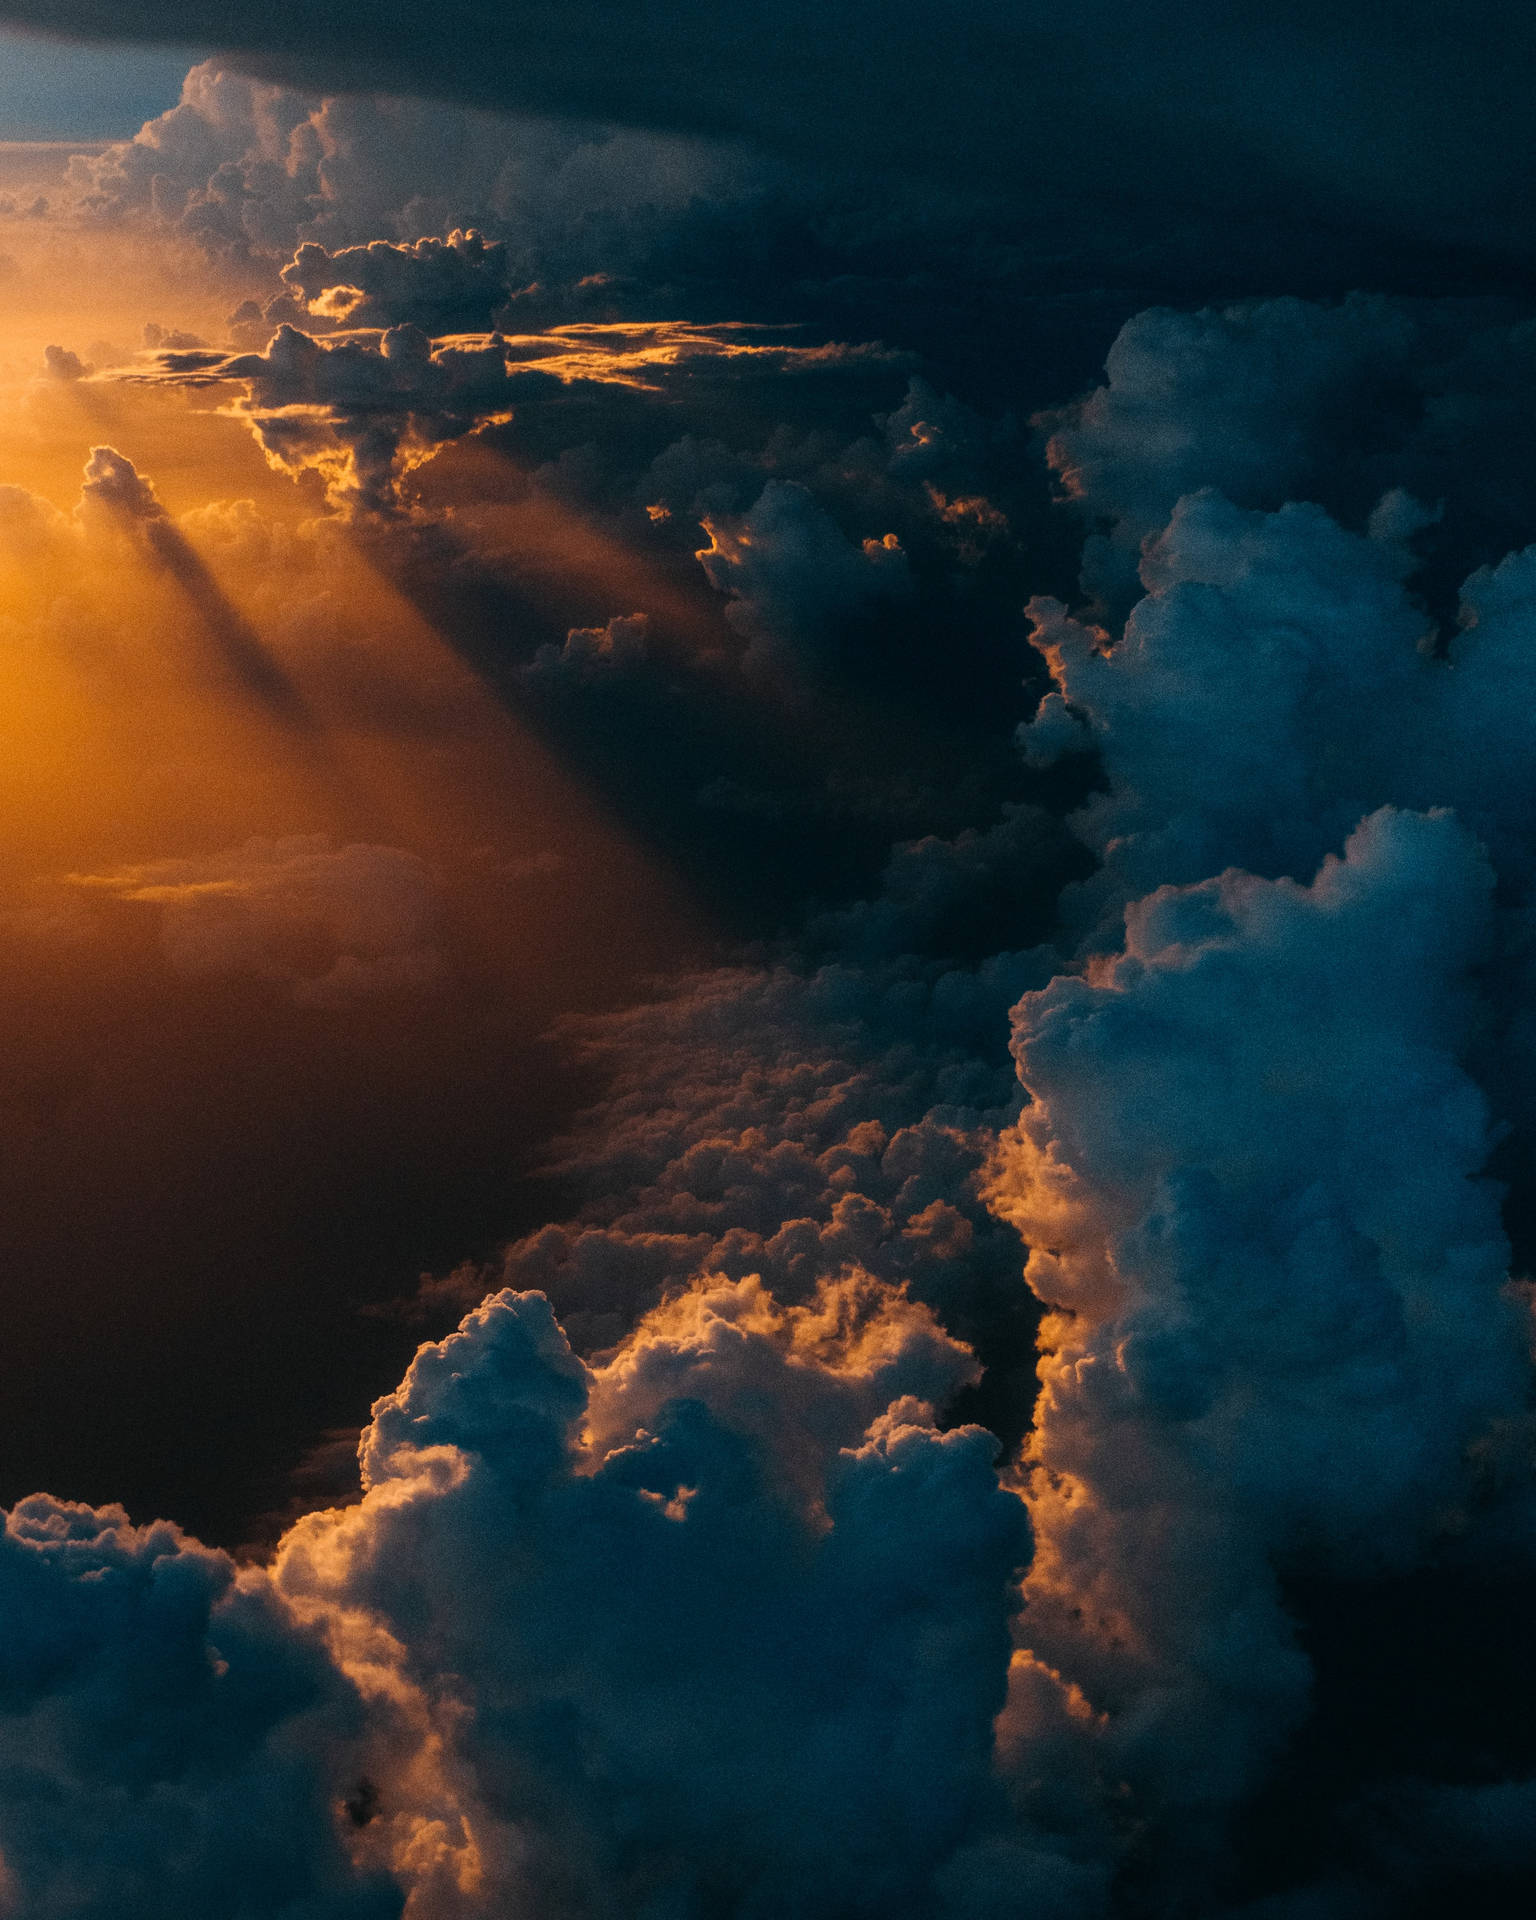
[(767, 928), (61, 90)]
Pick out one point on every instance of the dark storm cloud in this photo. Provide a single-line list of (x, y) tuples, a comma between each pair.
[(1403, 116), (246, 168)]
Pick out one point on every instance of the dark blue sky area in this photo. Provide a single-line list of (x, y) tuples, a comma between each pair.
[(50, 90)]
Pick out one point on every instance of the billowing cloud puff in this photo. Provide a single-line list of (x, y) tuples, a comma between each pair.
[(114, 484), (1248, 1171), (1256, 402), (244, 167), (331, 923), (442, 286), (595, 1636), (809, 1123), (1277, 681), (1282, 400), (1263, 696), (61, 364), (173, 1745), (593, 653), (358, 412), (30, 526), (660, 1663)]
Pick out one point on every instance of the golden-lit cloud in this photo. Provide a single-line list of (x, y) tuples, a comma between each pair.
[(365, 408)]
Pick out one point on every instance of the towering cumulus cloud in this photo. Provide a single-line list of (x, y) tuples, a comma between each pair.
[(664, 1614), (1274, 1282)]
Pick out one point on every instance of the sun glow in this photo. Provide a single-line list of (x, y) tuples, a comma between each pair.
[(287, 886)]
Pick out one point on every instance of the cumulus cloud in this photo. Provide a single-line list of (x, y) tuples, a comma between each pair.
[(594, 653), (1276, 1314), (1257, 402), (241, 167), (1278, 679), (1266, 692), (113, 482), (442, 286), (791, 577), (712, 1599), (1250, 1167), (332, 924), (173, 1742), (858, 1144), (358, 412), (799, 1121), (702, 1646), (1346, 406), (61, 364)]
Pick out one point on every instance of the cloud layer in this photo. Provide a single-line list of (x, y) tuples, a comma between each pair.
[(904, 1480), (1425, 132)]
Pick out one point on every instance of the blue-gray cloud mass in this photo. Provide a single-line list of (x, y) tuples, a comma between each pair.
[(1405, 117)]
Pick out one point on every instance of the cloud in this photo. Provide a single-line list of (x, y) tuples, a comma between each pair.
[(61, 364), (442, 286), (594, 653), (332, 924), (114, 483), (701, 1666), (1248, 1170), (1250, 1166), (1279, 679), (32, 528), (1267, 691), (1427, 134), (790, 576), (802, 1122), (712, 1599), (364, 409), (244, 168), (1283, 400), (173, 1742), (358, 412)]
